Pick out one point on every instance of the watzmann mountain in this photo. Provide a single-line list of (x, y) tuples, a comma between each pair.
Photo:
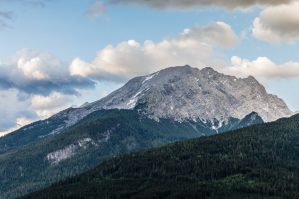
[(189, 93), (174, 104), (183, 93)]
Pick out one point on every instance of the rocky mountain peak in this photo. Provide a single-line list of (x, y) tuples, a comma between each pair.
[(184, 92), (251, 79), (208, 71)]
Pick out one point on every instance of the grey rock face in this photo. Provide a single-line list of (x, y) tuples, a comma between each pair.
[(189, 93)]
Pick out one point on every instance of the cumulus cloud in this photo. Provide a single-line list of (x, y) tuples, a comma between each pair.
[(12, 109), (46, 106), (278, 24), (96, 9), (262, 68), (19, 112), (34, 86), (186, 4), (40, 73), (194, 46)]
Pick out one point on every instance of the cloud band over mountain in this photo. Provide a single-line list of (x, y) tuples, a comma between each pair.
[(40, 73), (194, 46)]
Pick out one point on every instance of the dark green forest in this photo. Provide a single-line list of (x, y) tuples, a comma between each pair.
[(260, 161), (25, 168)]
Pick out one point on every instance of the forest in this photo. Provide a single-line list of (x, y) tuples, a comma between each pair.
[(260, 161)]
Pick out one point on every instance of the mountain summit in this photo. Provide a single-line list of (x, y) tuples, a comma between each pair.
[(189, 93)]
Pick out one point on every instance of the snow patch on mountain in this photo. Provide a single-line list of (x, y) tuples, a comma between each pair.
[(132, 103), (149, 77)]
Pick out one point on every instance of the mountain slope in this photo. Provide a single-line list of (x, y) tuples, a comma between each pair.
[(99, 136), (32, 132), (255, 162)]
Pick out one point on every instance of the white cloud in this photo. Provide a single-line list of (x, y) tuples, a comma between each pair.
[(46, 106), (33, 72), (262, 68), (187, 4), (34, 86), (194, 46), (20, 111), (278, 24), (12, 108)]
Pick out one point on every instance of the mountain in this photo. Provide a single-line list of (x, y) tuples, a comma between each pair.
[(256, 162), (179, 93), (186, 92), (99, 136), (174, 104)]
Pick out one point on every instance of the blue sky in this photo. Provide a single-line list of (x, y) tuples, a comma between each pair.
[(63, 28), (65, 31)]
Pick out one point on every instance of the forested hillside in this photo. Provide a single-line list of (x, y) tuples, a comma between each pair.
[(101, 135), (260, 161)]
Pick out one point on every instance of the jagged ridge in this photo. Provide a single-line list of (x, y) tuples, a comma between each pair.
[(189, 93)]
